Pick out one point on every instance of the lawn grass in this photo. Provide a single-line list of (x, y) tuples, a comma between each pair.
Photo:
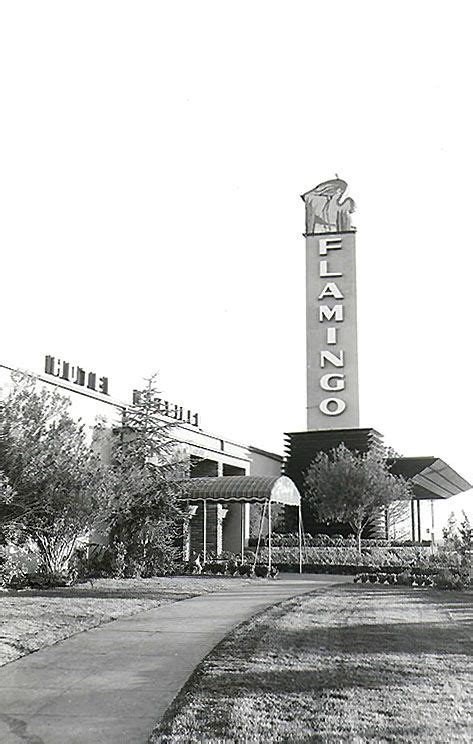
[(354, 663), (32, 619)]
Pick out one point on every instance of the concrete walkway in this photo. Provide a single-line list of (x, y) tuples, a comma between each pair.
[(113, 683)]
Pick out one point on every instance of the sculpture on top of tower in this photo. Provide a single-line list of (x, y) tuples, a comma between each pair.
[(325, 211)]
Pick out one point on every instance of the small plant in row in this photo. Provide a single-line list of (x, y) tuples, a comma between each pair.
[(375, 578)]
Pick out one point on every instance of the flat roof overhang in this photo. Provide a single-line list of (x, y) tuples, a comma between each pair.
[(253, 489), (430, 477)]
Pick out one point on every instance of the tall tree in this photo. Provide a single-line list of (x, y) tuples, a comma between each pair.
[(144, 488), (345, 486), (52, 493), (450, 533), (466, 546)]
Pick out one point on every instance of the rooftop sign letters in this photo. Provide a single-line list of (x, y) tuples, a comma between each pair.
[(75, 374), (171, 410)]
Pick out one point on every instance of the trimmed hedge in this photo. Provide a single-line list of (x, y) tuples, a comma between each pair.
[(352, 570), (291, 540), (403, 557)]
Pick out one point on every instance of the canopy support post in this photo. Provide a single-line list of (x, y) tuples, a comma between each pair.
[(263, 514), (299, 522), (270, 557), (242, 507), (419, 531), (432, 524), (186, 538), (204, 523)]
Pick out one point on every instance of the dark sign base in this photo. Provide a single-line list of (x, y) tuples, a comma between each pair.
[(301, 447)]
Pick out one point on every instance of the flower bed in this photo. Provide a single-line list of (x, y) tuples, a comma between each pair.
[(351, 570), (229, 567), (443, 579)]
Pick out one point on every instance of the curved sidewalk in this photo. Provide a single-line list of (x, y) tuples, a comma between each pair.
[(114, 682)]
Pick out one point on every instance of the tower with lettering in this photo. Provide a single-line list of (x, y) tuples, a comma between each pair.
[(332, 355)]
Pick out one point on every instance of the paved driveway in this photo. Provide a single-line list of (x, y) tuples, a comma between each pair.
[(113, 683)]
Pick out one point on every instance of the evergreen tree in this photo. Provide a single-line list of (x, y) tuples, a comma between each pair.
[(465, 547), (145, 483)]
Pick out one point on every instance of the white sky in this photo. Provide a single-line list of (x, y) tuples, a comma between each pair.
[(152, 158)]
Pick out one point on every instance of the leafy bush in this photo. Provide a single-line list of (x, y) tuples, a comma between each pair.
[(405, 578), (93, 562), (262, 571), (215, 568), (244, 569), (14, 575), (449, 580)]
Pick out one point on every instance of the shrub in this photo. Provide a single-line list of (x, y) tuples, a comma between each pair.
[(262, 571), (444, 558), (232, 567), (183, 569), (244, 569), (373, 578), (215, 567), (45, 580), (449, 580), (405, 578), (12, 574), (91, 562), (427, 580)]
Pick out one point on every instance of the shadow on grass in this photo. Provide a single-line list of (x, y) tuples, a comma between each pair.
[(389, 638), (92, 593), (328, 675), (325, 632)]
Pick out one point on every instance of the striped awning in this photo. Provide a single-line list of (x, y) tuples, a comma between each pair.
[(253, 489), (430, 477)]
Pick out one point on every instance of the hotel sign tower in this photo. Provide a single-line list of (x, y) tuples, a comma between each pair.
[(332, 354)]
